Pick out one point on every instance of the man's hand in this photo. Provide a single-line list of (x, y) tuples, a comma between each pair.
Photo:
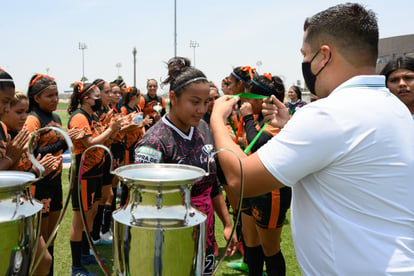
[(275, 111), (223, 107)]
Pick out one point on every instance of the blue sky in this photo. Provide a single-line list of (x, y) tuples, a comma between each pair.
[(42, 34)]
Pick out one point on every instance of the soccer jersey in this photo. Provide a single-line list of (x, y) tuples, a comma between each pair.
[(103, 115), (165, 143), (50, 141), (133, 136), (269, 210), (93, 127), (149, 103)]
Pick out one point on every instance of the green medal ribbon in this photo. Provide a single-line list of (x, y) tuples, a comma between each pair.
[(250, 96), (249, 147)]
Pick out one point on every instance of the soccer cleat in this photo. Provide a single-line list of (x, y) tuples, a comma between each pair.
[(107, 237), (238, 265)]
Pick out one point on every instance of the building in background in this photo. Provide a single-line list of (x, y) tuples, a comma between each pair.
[(393, 47)]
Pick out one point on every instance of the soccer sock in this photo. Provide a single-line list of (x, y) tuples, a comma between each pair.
[(76, 248), (97, 222), (255, 260), (85, 244), (50, 249), (275, 265), (107, 218)]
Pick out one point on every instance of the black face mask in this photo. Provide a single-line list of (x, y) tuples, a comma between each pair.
[(98, 105), (309, 77)]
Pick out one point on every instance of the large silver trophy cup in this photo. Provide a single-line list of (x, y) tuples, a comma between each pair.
[(19, 223), (20, 216), (158, 232)]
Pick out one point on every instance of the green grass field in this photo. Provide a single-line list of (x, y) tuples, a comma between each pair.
[(62, 247), (63, 255)]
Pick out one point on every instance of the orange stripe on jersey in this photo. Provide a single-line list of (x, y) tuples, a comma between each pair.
[(274, 214), (127, 157), (84, 195), (141, 102)]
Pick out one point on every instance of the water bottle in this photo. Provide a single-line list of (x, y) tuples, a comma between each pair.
[(138, 119)]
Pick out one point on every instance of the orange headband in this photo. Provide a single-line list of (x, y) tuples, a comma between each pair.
[(249, 69), (81, 87), (38, 77), (80, 90), (268, 76)]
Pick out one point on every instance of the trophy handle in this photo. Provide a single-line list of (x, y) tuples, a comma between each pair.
[(41, 170), (82, 212)]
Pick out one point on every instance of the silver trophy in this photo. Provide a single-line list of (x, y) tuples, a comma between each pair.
[(19, 223), (20, 216), (158, 232)]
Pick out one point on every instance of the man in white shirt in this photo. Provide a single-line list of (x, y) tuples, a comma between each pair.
[(349, 157)]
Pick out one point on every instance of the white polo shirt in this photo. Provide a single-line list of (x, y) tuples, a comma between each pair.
[(350, 160)]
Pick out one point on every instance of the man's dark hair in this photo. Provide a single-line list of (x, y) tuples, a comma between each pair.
[(350, 28)]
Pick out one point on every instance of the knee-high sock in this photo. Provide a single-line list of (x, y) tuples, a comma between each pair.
[(97, 223), (255, 260), (76, 248), (85, 244), (275, 265)]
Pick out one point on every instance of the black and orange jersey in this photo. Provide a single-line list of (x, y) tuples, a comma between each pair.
[(93, 127), (132, 137), (120, 137), (103, 115), (149, 103), (252, 126), (50, 141), (24, 163)]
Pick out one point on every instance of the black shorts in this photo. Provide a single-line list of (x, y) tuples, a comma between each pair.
[(91, 188), (130, 156), (269, 210), (118, 152), (49, 193)]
